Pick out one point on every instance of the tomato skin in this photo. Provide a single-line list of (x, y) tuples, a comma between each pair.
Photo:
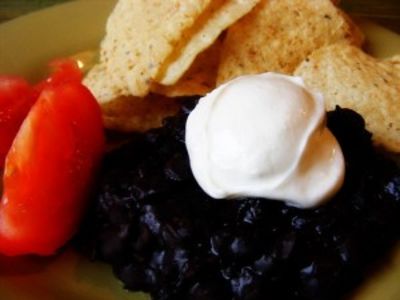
[(49, 170), (16, 99)]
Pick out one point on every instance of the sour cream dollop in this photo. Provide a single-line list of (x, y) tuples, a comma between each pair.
[(264, 136)]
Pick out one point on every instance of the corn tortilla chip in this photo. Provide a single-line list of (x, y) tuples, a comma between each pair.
[(99, 82), (219, 16), (278, 34), (350, 78), (136, 44), (199, 79)]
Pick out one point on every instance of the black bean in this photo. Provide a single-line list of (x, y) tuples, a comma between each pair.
[(165, 236)]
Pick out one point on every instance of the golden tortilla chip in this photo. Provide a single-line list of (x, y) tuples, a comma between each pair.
[(128, 114), (219, 16), (140, 36), (352, 79), (278, 34), (199, 79)]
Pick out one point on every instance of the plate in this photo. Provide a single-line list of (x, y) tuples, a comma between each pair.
[(26, 45)]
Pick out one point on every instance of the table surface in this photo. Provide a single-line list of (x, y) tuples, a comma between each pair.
[(385, 12)]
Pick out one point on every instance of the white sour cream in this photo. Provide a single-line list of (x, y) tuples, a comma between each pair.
[(264, 136)]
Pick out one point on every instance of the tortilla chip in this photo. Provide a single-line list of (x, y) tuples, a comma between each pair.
[(129, 114), (140, 36), (278, 34), (199, 79), (219, 16), (352, 79)]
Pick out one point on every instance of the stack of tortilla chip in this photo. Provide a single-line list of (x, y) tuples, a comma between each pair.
[(155, 51), (155, 42), (152, 46)]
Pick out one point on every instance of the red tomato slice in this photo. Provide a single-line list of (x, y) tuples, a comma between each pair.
[(16, 99), (49, 170)]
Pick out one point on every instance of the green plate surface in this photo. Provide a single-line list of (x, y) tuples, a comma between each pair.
[(26, 45)]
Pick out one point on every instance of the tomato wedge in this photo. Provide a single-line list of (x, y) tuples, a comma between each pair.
[(16, 99), (50, 168)]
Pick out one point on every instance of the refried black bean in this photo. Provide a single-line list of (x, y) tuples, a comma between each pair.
[(163, 235)]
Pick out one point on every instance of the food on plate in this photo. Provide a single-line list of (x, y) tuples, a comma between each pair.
[(153, 217), (183, 58), (279, 34), (131, 59), (16, 99), (50, 166), (163, 235), (149, 216), (264, 136), (350, 78)]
